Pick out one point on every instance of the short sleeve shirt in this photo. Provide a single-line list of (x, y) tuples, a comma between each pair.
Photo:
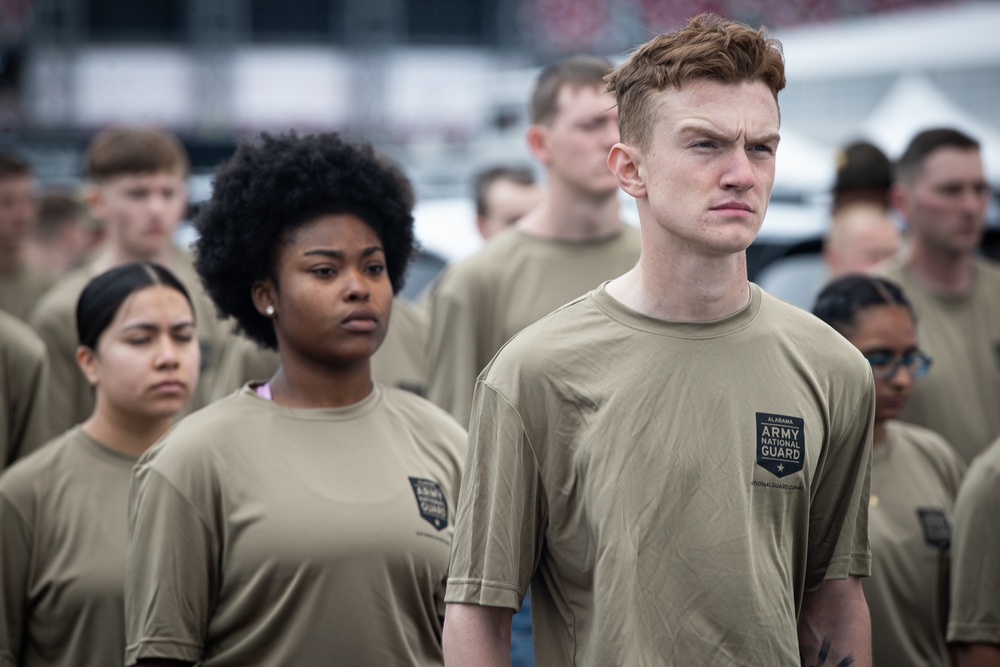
[(266, 535), (665, 486)]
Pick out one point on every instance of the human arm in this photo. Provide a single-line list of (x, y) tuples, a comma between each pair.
[(170, 569), (834, 627), (477, 636), (975, 655), (15, 565), (453, 356)]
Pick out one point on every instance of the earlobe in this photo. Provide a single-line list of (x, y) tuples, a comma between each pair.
[(86, 359), (95, 200), (262, 293), (623, 161), (537, 143)]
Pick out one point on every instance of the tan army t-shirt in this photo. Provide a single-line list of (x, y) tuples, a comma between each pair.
[(72, 398), (20, 291), (516, 279), (399, 361), (915, 479), (24, 389), (959, 397), (265, 535), (669, 489), (974, 616), (63, 526)]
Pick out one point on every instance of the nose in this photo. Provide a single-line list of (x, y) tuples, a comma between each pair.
[(738, 173), (902, 378), (167, 353), (357, 288)]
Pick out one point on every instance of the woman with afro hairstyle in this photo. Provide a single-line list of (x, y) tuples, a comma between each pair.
[(914, 480), (305, 520)]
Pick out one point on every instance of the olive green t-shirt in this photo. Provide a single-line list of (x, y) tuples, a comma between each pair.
[(514, 280), (670, 490), (960, 396), (398, 362), (24, 388), (63, 527), (265, 535), (915, 479), (72, 398), (21, 290), (974, 616)]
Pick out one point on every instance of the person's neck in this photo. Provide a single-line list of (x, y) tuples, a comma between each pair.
[(114, 255), (568, 214), (303, 383), (671, 284), (946, 274), (12, 259), (128, 434)]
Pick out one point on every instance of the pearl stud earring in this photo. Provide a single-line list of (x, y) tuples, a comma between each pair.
[(269, 311)]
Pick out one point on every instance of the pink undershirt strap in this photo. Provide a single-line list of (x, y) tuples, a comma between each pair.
[(264, 391)]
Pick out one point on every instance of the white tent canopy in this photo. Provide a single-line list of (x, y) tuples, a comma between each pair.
[(914, 104)]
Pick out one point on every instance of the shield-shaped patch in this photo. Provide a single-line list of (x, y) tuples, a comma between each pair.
[(431, 501), (937, 528), (780, 443)]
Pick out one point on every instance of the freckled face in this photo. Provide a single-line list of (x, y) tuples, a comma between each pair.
[(333, 296), (709, 169)]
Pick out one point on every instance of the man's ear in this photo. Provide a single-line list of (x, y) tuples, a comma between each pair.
[(86, 359), (899, 200), (624, 161), (538, 142), (263, 293), (94, 196)]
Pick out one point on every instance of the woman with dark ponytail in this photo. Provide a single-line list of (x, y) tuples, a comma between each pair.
[(914, 480), (64, 508)]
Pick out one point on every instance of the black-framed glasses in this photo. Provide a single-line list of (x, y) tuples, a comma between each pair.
[(885, 366)]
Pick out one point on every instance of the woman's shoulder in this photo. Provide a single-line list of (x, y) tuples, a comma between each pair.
[(30, 475), (929, 447)]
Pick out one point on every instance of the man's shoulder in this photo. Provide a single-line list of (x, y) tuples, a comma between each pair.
[(18, 340), (989, 271), (60, 301)]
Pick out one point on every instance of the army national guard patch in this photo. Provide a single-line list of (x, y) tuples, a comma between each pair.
[(780, 443), (431, 501), (937, 528)]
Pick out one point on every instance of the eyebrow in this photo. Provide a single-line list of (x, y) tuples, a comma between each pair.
[(339, 254), (691, 129), (146, 326)]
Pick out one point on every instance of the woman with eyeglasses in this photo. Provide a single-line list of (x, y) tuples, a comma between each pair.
[(914, 480)]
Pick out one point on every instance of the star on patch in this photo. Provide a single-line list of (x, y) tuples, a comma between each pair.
[(781, 468)]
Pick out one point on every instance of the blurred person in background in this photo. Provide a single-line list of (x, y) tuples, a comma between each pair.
[(22, 281), (565, 246), (24, 390), (974, 617), (64, 235), (138, 191), (64, 509), (503, 196), (942, 194), (864, 175), (307, 519), (861, 236), (915, 478)]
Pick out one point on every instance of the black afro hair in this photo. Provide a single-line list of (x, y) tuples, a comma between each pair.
[(274, 184)]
